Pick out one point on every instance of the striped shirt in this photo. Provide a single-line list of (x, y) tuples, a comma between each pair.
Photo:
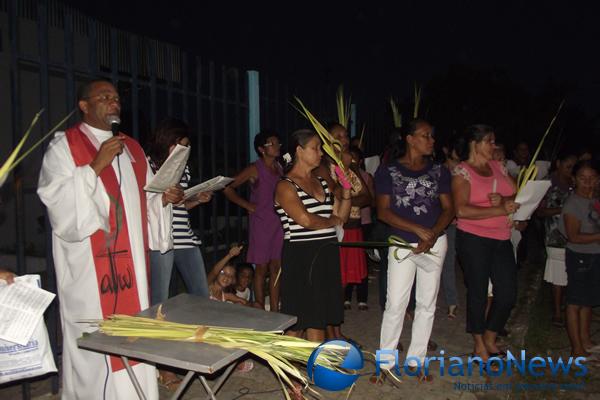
[(183, 236), (295, 232)]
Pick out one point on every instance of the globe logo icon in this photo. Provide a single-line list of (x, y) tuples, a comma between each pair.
[(333, 380)]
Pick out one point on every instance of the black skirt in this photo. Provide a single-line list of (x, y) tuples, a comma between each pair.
[(311, 283)]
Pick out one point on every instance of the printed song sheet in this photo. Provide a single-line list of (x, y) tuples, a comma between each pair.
[(170, 172), (211, 185), (22, 305), (529, 198)]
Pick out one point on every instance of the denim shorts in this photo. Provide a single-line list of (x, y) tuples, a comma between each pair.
[(583, 271)]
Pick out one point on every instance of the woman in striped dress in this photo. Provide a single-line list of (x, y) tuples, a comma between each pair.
[(186, 253), (310, 281)]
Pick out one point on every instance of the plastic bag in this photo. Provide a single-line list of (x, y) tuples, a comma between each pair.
[(35, 358)]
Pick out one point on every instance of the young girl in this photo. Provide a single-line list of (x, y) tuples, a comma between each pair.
[(222, 278), (221, 281), (580, 224)]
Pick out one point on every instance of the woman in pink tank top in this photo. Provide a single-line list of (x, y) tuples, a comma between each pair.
[(265, 231), (483, 194)]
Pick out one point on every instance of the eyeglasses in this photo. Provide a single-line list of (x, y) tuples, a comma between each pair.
[(269, 144), (105, 98)]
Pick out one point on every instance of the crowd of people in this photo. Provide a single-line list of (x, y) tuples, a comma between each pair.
[(115, 245)]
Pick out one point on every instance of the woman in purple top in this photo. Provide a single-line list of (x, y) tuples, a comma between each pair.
[(413, 198), (266, 233)]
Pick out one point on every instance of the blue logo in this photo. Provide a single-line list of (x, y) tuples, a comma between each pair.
[(330, 379)]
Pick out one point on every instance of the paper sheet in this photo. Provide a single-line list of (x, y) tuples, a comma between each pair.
[(211, 185), (171, 171), (371, 164), (22, 305), (529, 198)]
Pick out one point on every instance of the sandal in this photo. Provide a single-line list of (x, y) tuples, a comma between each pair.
[(452, 311), (168, 381), (421, 377)]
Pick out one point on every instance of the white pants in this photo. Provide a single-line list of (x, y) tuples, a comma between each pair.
[(401, 275)]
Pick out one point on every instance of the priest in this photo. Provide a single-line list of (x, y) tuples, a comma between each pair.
[(103, 225)]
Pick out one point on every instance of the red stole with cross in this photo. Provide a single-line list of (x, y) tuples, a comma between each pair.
[(113, 261)]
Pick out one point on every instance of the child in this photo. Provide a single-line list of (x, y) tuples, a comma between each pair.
[(245, 274), (222, 278), (221, 281)]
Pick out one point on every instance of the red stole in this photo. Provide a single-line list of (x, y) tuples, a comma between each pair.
[(113, 260)]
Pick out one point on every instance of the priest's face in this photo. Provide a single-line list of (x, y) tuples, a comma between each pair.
[(101, 103)]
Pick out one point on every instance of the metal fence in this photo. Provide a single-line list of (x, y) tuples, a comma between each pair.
[(49, 49)]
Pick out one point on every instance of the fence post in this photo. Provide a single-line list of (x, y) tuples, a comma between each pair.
[(352, 120), (253, 112)]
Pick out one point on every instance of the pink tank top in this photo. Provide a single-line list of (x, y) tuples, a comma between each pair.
[(495, 227)]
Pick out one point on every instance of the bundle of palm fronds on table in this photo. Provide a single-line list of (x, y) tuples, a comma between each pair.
[(278, 350), (530, 173)]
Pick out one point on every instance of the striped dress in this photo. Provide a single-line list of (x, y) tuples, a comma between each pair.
[(311, 287)]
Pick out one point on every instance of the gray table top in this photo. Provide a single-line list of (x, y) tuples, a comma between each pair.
[(188, 309)]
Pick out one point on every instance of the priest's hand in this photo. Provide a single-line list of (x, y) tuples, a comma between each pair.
[(173, 195), (108, 151)]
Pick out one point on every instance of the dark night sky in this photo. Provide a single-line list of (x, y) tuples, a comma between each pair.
[(381, 49)]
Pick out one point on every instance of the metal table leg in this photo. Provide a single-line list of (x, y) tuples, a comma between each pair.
[(215, 388), (133, 378), (183, 385)]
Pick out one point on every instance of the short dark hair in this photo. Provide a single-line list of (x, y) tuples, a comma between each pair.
[(241, 267), (83, 92), (261, 139)]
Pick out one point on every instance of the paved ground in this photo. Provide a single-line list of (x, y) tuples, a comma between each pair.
[(364, 327)]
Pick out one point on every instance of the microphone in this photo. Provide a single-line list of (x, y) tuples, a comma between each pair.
[(114, 122)]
